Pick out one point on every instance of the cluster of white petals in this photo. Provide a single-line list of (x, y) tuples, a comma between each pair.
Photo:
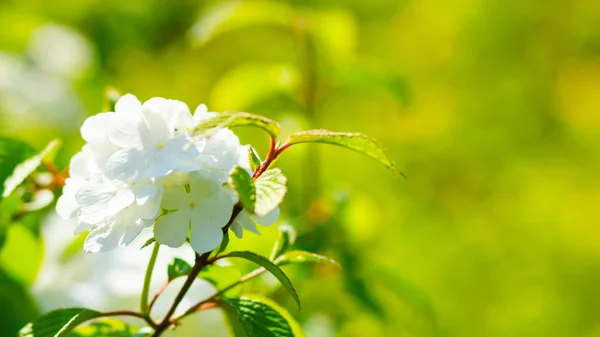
[(141, 166)]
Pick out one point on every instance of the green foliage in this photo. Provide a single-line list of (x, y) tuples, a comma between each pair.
[(243, 185), (253, 158), (298, 256), (353, 141), (285, 240), (148, 243), (16, 306), (235, 119), (178, 268), (58, 323), (18, 166), (252, 318), (262, 195), (107, 328), (270, 191), (272, 268), (12, 153)]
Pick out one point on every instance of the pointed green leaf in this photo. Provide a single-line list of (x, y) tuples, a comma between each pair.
[(354, 141), (299, 256), (287, 236), (253, 158), (233, 119), (270, 191), (178, 268), (148, 243), (271, 267), (58, 323), (243, 185), (12, 153), (21, 169), (253, 318)]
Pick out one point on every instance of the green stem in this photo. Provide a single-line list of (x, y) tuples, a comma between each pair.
[(146, 289)]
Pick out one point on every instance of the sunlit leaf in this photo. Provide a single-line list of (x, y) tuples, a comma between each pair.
[(243, 185), (106, 328), (12, 153), (234, 119), (58, 323), (253, 158), (16, 305), (270, 267), (178, 268), (25, 168), (286, 238), (353, 141), (298, 256), (148, 243), (254, 318), (270, 191)]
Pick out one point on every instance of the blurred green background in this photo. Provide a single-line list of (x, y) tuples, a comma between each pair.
[(490, 107)]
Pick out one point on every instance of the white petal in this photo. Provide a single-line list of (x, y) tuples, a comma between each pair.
[(144, 190), (126, 165), (214, 211), (82, 227), (128, 224), (247, 223), (93, 201), (128, 104), (237, 229), (174, 197), (95, 127), (124, 131), (67, 205), (171, 229), (101, 239), (204, 238), (119, 201), (151, 208), (269, 219)]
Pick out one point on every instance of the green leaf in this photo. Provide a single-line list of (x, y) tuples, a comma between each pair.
[(148, 243), (287, 237), (270, 191), (109, 327), (243, 185), (22, 169), (253, 318), (253, 158), (233, 119), (353, 141), (12, 153), (271, 267), (299, 256), (58, 323), (178, 268)]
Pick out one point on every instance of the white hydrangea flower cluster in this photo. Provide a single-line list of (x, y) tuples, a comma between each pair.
[(142, 167)]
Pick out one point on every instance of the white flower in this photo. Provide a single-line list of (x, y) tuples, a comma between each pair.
[(205, 208), (142, 166), (152, 136), (116, 212)]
